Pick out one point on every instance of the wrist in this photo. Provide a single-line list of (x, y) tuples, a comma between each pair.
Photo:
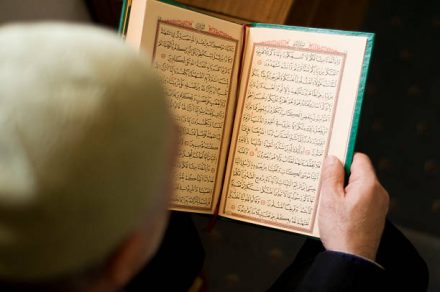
[(357, 257), (367, 252)]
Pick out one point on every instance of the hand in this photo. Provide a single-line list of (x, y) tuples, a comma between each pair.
[(352, 219)]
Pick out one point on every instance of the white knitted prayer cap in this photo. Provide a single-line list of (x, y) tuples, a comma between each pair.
[(83, 138)]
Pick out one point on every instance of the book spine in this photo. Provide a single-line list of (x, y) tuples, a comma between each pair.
[(359, 101), (125, 14)]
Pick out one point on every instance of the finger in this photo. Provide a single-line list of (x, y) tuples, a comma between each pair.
[(332, 177), (362, 168)]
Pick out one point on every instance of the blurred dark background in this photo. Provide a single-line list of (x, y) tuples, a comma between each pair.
[(399, 127)]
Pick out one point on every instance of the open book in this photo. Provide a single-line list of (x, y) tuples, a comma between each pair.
[(260, 107)]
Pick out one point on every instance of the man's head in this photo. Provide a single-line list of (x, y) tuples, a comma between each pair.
[(85, 137)]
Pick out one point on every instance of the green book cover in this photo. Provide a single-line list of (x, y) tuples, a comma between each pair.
[(125, 16)]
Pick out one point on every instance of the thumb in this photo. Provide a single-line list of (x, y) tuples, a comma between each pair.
[(332, 176)]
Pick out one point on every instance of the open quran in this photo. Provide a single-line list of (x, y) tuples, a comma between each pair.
[(260, 106)]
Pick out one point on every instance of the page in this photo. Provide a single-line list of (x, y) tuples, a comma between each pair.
[(296, 107), (136, 23), (198, 58)]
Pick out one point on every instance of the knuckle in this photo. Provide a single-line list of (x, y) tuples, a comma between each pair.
[(386, 197), (381, 194), (375, 186)]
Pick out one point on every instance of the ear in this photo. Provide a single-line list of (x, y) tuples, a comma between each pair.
[(135, 251), (127, 259)]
